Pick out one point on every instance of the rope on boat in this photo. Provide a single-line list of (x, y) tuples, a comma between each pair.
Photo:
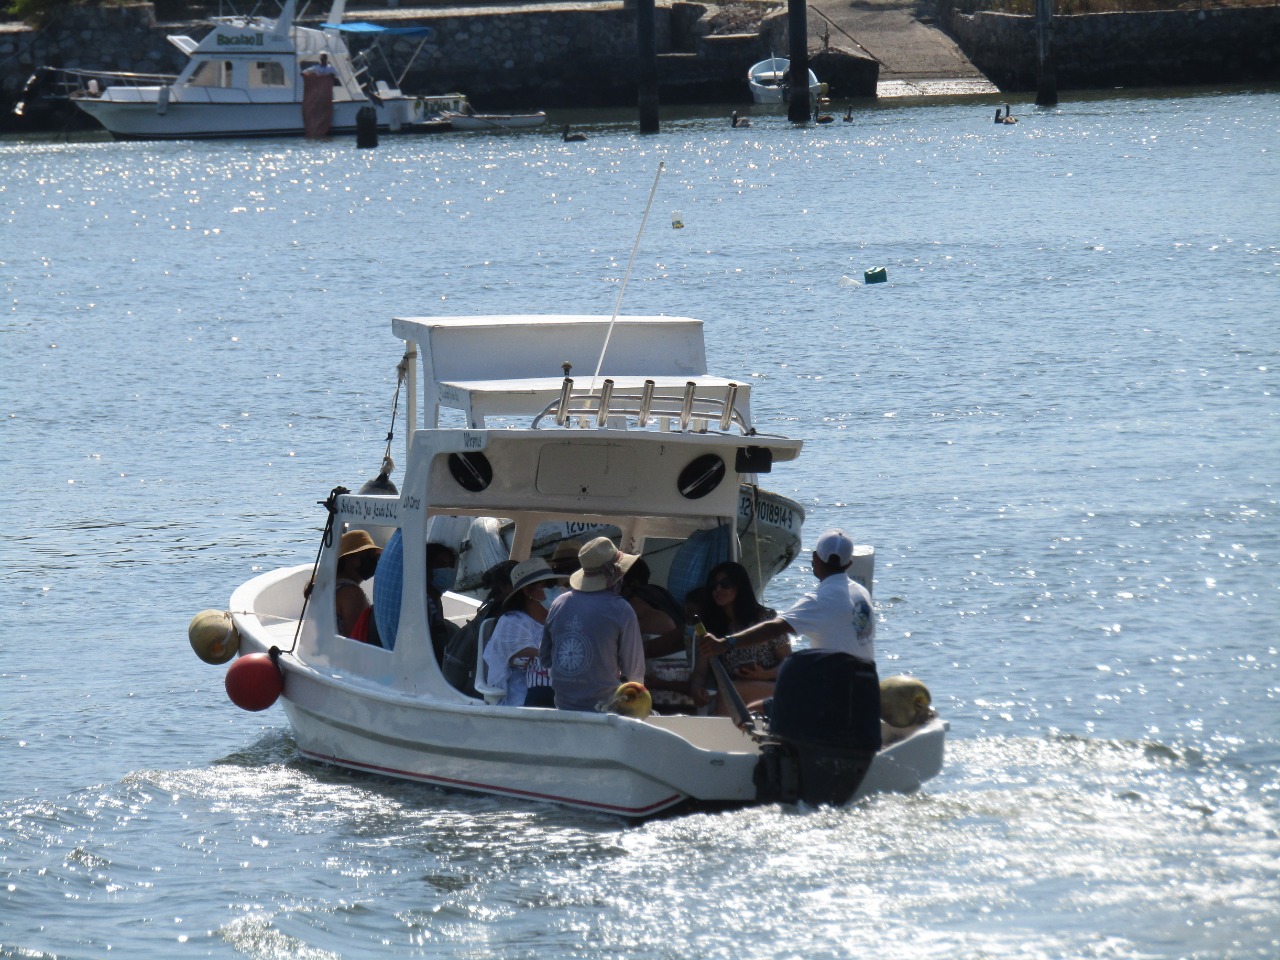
[(617, 305), (330, 504), (402, 372)]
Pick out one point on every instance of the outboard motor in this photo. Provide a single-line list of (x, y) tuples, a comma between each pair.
[(824, 729)]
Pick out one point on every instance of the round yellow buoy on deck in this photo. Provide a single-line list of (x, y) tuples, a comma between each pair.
[(213, 636), (631, 700), (904, 701)]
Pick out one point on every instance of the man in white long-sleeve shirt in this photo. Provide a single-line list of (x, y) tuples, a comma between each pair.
[(592, 638)]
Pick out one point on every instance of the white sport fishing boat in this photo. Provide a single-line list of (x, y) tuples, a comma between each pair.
[(655, 450), (770, 81), (245, 79)]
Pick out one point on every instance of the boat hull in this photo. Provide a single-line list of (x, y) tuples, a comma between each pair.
[(591, 761), (768, 86), (495, 121), (597, 762), (143, 120), (344, 711)]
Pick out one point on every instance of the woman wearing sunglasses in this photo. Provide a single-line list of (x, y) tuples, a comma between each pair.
[(734, 608)]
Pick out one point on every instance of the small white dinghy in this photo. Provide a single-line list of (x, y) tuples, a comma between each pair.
[(770, 81), (494, 121), (655, 449)]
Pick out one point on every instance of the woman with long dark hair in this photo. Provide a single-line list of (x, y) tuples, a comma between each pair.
[(734, 607)]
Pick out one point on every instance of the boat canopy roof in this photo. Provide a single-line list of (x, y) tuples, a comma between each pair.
[(514, 365), (373, 29)]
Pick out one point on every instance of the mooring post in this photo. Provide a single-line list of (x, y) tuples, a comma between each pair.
[(798, 107), (1046, 75), (647, 70)]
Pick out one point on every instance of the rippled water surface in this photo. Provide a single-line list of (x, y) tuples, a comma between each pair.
[(1057, 422)]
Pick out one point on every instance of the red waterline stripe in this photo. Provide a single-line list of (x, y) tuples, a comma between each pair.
[(489, 788)]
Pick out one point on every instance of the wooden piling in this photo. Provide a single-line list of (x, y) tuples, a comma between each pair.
[(1046, 74), (798, 107), (647, 68)]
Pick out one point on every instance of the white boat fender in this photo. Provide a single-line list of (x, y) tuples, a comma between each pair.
[(254, 682), (213, 636), (904, 701)]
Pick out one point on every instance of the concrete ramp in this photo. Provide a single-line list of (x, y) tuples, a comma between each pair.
[(917, 59)]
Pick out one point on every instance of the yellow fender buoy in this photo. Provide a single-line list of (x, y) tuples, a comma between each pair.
[(904, 701), (631, 700), (213, 636)]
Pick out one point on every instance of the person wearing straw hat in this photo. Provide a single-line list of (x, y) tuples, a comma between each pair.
[(591, 639), (564, 561), (511, 655), (357, 560)]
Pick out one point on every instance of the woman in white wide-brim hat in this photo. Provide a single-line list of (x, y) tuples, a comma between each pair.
[(511, 656)]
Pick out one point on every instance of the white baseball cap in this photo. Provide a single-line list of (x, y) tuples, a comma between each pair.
[(834, 545)]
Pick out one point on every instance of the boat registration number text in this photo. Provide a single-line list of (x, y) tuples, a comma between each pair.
[(766, 511)]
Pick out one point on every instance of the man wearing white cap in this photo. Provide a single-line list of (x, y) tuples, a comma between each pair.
[(835, 616), (592, 638), (829, 693)]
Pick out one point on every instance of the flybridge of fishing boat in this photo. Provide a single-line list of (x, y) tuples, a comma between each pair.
[(566, 428)]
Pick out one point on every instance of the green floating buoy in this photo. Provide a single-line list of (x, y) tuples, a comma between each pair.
[(875, 275)]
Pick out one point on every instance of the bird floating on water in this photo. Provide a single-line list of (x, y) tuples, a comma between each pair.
[(824, 118), (568, 137), (1008, 115), (848, 115), (737, 121)]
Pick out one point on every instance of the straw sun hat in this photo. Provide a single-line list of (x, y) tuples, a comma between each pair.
[(355, 541), (603, 564)]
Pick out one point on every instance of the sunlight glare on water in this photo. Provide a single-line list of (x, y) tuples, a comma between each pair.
[(1057, 423)]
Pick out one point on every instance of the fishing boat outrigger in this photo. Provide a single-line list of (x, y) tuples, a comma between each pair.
[(652, 451)]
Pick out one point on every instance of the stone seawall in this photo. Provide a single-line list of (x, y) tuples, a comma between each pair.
[(548, 55), (1106, 50)]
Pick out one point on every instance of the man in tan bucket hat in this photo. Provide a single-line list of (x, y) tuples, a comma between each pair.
[(592, 638)]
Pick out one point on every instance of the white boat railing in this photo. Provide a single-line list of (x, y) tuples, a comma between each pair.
[(605, 406), (69, 82)]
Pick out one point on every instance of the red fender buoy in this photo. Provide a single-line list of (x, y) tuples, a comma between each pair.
[(254, 682)]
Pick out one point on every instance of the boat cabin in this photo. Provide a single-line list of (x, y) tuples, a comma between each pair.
[(653, 452)]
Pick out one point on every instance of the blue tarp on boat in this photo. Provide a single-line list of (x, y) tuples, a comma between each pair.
[(372, 29)]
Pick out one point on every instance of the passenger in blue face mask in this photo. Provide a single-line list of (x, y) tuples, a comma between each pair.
[(442, 570)]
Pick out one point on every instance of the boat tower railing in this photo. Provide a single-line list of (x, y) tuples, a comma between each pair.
[(606, 407)]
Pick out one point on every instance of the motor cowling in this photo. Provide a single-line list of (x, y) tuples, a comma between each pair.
[(824, 729)]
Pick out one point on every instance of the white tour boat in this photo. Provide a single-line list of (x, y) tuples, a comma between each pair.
[(652, 449), (770, 80), (245, 78)]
